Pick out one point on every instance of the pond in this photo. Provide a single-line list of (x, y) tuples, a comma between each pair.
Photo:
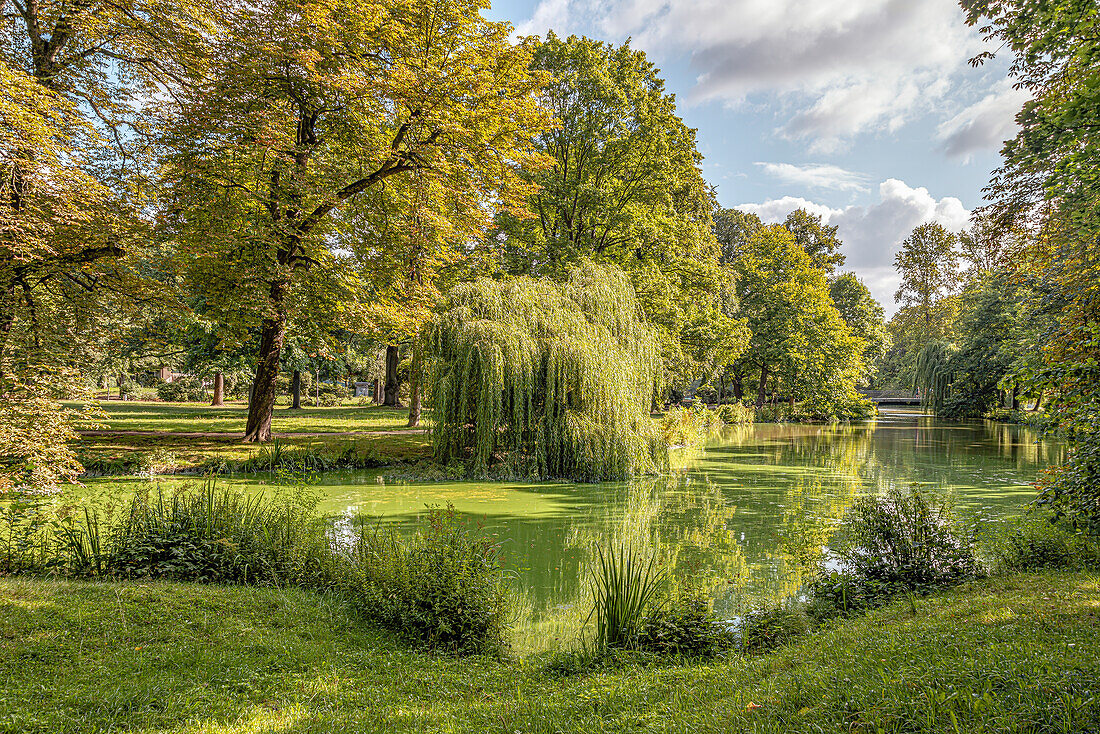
[(748, 516)]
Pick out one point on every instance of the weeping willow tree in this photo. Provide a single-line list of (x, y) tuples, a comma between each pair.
[(932, 375), (547, 379)]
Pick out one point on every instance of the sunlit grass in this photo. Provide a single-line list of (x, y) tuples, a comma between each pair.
[(1016, 653), (230, 419)]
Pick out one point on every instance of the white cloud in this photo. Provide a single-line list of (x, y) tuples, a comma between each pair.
[(984, 125), (817, 176), (841, 67), (872, 234)]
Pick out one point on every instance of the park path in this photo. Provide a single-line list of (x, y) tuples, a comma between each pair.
[(236, 436)]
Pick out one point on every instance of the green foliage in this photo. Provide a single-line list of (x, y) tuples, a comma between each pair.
[(213, 536), (768, 629), (545, 379), (681, 426), (1037, 543), (184, 390), (819, 240), (932, 375), (625, 189), (863, 315), (210, 535), (928, 265), (1046, 193), (1072, 491), (844, 594), (684, 627), (736, 414), (624, 586), (908, 538), (442, 588), (799, 341)]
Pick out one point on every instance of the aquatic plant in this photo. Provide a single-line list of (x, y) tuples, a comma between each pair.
[(548, 379), (625, 586)]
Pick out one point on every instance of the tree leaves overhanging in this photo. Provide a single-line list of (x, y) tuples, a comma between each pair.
[(537, 377)]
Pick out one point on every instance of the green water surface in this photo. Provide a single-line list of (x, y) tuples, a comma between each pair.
[(748, 517)]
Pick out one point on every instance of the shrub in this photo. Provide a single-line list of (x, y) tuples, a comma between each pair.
[(183, 390), (1072, 490), (277, 456), (906, 538), (689, 426), (837, 594), (767, 629), (1038, 543), (442, 587), (684, 626), (214, 536), (734, 414)]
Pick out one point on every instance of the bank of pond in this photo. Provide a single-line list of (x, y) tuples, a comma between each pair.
[(768, 547)]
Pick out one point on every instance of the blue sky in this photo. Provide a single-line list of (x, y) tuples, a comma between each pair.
[(864, 111)]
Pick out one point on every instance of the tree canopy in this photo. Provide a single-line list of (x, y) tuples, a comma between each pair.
[(555, 379)]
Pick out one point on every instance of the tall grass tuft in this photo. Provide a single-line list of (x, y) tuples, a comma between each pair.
[(625, 587)]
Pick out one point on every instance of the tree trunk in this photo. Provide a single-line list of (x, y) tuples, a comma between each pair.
[(414, 390), (272, 335), (1038, 403), (392, 385), (377, 387), (219, 389), (316, 386), (761, 391), (738, 386), (296, 390), (1015, 398)]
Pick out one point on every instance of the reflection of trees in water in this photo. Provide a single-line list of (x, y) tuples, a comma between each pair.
[(750, 520)]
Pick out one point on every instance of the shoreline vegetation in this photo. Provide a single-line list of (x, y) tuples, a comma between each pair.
[(1012, 653), (190, 439)]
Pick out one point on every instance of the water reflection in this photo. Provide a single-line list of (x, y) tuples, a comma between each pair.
[(748, 517)]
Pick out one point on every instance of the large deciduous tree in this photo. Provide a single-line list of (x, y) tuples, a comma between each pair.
[(798, 336), (625, 188), (928, 265), (77, 83), (1049, 187), (310, 104)]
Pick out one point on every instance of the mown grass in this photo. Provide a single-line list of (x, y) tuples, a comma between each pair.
[(1016, 653), (317, 429), (231, 418)]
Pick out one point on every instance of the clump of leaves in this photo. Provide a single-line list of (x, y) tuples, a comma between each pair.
[(684, 626), (442, 587), (767, 629), (909, 538)]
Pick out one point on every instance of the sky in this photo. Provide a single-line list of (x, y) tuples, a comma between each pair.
[(866, 112)]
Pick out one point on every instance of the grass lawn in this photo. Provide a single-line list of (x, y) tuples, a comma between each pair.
[(230, 419), (193, 433), (1008, 654)]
